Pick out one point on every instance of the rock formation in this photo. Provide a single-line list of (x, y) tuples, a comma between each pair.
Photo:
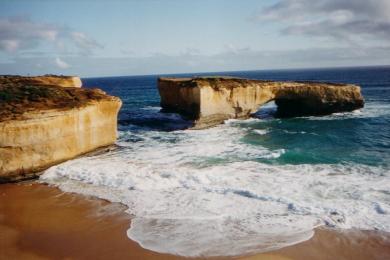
[(42, 123), (211, 100), (47, 80)]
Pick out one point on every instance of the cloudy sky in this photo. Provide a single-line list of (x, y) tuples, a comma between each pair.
[(106, 38)]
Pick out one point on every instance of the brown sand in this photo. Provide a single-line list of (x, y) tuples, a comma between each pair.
[(42, 222)]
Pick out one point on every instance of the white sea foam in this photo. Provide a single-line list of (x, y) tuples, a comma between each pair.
[(261, 131), (151, 108), (242, 121), (372, 109), (205, 193)]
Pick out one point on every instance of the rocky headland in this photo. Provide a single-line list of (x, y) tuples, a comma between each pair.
[(209, 101), (47, 80), (49, 119)]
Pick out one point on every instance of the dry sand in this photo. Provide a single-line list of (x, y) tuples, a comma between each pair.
[(42, 222)]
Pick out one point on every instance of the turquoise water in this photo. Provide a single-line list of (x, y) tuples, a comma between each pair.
[(346, 138), (264, 182)]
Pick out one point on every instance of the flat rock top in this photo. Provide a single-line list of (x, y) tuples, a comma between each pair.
[(21, 95), (52, 80), (226, 81)]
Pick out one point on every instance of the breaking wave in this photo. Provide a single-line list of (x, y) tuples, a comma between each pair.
[(204, 193)]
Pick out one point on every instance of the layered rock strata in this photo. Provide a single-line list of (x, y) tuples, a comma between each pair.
[(42, 124), (209, 101), (47, 80)]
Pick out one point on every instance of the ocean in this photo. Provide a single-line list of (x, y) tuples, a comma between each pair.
[(246, 186)]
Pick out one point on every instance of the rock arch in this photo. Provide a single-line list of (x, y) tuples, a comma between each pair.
[(209, 101)]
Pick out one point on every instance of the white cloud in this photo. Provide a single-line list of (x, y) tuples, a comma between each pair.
[(9, 45), (21, 33), (61, 64), (231, 48), (359, 21), (224, 61), (84, 42)]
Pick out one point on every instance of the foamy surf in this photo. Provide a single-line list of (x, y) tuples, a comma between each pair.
[(252, 206), (261, 131), (205, 193), (244, 187)]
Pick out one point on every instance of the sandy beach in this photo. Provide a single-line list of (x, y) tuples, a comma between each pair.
[(42, 222), (186, 130)]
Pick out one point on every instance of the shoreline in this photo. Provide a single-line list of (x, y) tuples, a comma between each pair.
[(38, 221)]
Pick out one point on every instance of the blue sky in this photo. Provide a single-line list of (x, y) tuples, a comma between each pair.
[(105, 38)]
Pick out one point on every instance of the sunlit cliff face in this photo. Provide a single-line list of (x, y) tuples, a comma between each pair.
[(210, 101)]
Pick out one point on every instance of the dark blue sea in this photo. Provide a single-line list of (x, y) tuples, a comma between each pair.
[(248, 185)]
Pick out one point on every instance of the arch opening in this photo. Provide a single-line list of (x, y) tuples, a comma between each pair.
[(220, 98)]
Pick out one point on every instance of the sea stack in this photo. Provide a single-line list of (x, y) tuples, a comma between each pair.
[(49, 119), (209, 101)]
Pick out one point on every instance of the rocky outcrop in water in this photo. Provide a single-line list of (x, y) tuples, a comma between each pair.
[(209, 101), (47, 120)]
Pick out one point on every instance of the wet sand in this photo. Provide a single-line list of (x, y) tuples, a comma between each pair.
[(41, 222)]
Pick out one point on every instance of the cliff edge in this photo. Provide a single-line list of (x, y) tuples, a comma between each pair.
[(209, 101), (46, 120), (47, 80)]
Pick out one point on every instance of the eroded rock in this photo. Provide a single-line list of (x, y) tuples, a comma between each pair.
[(47, 80), (42, 124), (209, 101)]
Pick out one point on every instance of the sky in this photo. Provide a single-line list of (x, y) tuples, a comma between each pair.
[(93, 38)]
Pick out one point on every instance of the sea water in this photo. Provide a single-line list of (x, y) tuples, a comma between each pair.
[(245, 186)]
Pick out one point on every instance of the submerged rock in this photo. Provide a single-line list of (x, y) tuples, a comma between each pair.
[(209, 101), (47, 120)]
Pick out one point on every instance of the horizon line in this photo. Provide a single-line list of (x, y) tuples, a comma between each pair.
[(234, 71)]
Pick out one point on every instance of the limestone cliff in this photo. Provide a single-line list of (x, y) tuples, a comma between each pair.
[(211, 100), (42, 125), (47, 80)]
